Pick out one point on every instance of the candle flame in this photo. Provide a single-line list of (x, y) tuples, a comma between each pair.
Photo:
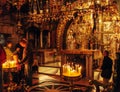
[(70, 70)]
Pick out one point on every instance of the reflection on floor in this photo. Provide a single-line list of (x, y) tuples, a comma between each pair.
[(48, 79), (46, 83), (55, 83)]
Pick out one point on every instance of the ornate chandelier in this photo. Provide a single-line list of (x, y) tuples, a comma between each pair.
[(52, 10), (41, 11)]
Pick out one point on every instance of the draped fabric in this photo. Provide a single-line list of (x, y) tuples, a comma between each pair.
[(9, 53), (2, 60), (2, 55)]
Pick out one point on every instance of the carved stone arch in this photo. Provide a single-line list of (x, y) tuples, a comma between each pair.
[(61, 32), (84, 28), (63, 25)]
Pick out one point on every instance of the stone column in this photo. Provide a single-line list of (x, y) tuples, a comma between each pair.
[(89, 70), (48, 39), (41, 39)]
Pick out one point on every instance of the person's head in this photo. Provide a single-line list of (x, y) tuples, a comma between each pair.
[(23, 43), (9, 44), (106, 53)]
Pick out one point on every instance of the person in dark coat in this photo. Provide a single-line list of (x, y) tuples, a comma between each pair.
[(27, 60), (19, 49), (106, 67), (19, 52)]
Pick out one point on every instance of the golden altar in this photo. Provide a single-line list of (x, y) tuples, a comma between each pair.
[(90, 55)]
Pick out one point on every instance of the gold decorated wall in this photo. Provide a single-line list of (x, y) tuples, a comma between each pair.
[(78, 30)]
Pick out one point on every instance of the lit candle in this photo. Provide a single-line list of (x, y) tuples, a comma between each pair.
[(107, 2), (11, 64), (41, 11), (71, 70), (76, 67), (68, 69), (3, 65), (63, 68), (79, 70), (47, 10), (98, 1)]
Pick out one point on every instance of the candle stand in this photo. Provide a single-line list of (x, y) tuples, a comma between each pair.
[(71, 73), (71, 79), (9, 67)]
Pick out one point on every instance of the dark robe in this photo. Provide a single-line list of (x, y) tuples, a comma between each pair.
[(29, 60), (106, 67)]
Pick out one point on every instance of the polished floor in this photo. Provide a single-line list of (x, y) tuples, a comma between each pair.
[(48, 79), (53, 82)]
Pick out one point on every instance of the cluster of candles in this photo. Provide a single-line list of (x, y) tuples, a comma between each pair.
[(71, 70), (9, 64)]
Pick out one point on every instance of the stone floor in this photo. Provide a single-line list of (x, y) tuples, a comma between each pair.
[(48, 79), (52, 83)]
